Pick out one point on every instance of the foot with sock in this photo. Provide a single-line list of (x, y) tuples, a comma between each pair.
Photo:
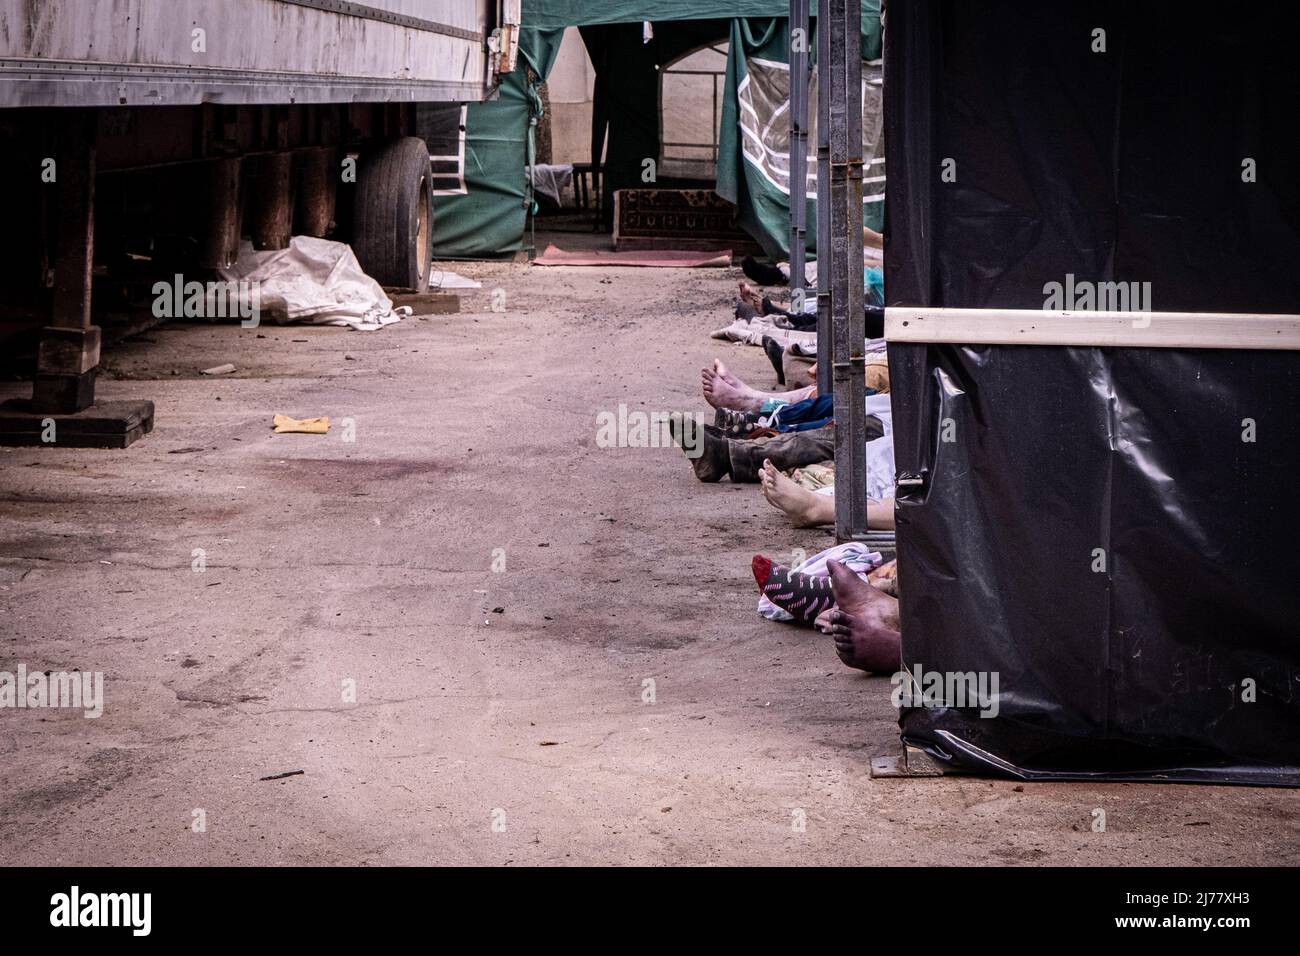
[(804, 596)]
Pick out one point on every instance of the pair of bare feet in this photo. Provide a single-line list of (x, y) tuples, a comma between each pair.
[(805, 508), (723, 390), (802, 507)]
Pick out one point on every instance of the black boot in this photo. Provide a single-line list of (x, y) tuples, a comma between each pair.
[(775, 353), (761, 272), (704, 445)]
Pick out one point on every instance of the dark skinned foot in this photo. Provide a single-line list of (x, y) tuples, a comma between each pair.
[(864, 623)]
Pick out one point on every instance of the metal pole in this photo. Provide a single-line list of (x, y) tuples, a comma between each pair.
[(848, 323), (798, 148), (823, 201)]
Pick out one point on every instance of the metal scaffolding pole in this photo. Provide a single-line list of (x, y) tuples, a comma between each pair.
[(798, 148), (823, 205), (840, 83)]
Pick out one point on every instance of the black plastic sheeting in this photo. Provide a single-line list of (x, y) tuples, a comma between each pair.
[(1179, 659)]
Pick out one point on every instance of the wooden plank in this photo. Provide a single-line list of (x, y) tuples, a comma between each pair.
[(115, 424), (426, 303), (1183, 330)]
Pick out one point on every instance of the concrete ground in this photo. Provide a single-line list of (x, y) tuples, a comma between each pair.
[(498, 590)]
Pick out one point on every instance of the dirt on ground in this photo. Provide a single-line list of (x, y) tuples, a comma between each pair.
[(481, 637)]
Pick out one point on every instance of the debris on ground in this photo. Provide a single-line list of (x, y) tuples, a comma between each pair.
[(283, 424)]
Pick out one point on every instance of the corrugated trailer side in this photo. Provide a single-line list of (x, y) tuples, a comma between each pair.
[(185, 52)]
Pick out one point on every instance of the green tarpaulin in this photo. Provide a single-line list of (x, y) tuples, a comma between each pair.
[(754, 141), (490, 218)]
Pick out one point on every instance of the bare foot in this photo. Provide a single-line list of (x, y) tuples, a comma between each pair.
[(720, 372), (723, 390), (864, 623), (751, 296), (804, 508), (725, 372)]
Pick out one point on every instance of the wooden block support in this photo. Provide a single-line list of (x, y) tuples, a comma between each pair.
[(427, 303), (64, 351), (223, 180), (315, 192), (106, 425)]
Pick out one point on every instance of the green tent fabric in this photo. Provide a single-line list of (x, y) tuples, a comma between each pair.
[(558, 14), (628, 73), (754, 141), (491, 218)]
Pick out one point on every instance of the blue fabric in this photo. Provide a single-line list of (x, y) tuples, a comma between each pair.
[(873, 284), (802, 416)]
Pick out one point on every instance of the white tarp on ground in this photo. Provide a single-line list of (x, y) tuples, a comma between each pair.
[(314, 281), (444, 279)]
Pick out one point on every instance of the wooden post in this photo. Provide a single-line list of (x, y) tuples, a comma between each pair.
[(271, 209), (68, 355), (220, 246)]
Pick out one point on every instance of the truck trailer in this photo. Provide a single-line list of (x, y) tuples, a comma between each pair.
[(142, 138)]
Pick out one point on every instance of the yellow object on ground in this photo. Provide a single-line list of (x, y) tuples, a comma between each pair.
[(307, 426)]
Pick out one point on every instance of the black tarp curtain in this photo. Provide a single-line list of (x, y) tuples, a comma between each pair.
[(1179, 659)]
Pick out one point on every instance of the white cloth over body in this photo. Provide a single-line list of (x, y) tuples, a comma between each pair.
[(751, 332), (880, 451), (314, 281), (809, 349)]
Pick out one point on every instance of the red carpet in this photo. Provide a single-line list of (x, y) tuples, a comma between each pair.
[(657, 258)]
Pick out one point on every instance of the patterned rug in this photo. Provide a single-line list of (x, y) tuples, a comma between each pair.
[(678, 219)]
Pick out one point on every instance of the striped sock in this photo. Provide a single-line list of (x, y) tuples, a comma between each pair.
[(803, 596)]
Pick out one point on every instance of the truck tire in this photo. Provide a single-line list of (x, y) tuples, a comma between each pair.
[(392, 230)]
